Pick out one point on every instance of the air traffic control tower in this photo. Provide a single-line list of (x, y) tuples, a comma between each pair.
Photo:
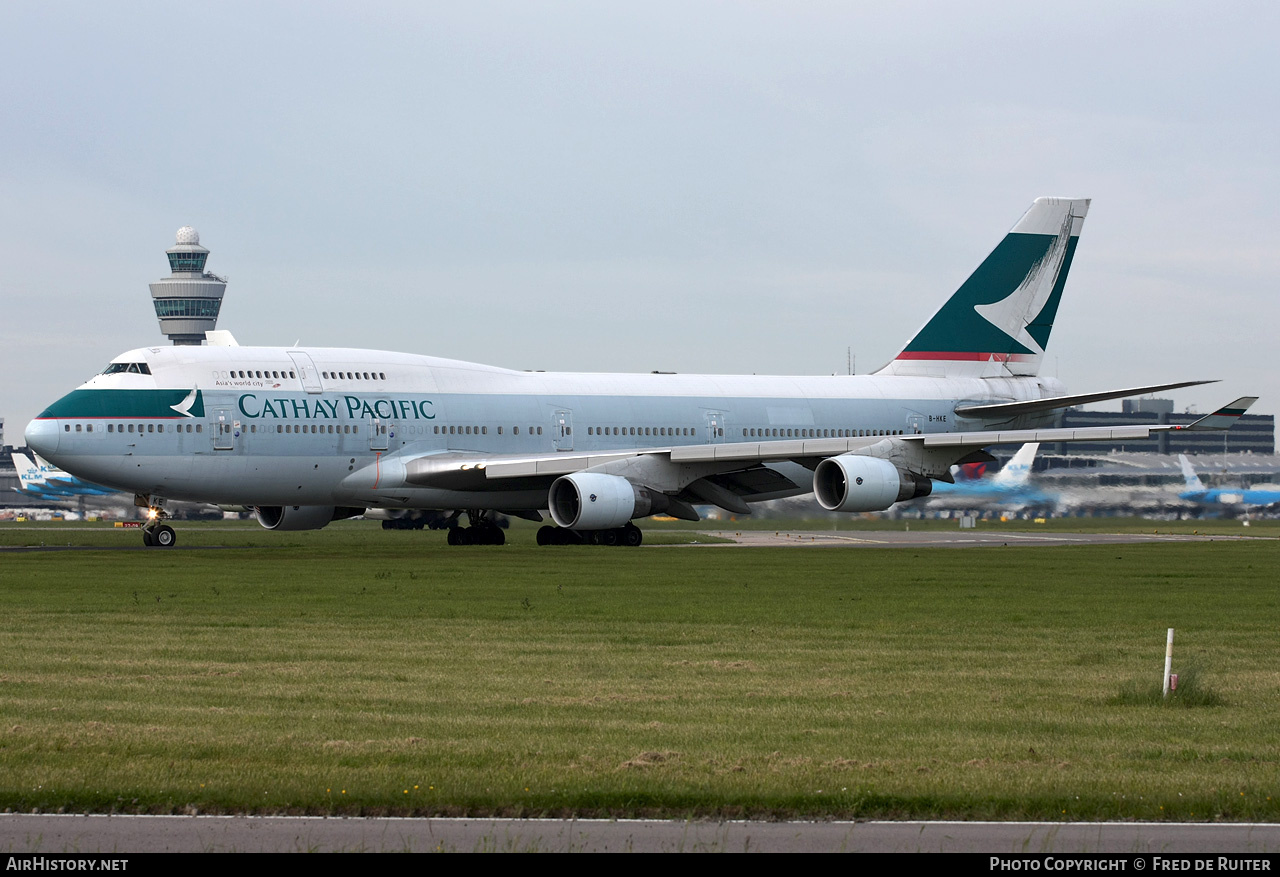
[(188, 300)]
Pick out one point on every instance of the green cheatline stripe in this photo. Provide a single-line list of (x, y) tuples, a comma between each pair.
[(122, 404)]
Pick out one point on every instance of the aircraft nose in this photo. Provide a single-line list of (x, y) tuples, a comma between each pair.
[(42, 437)]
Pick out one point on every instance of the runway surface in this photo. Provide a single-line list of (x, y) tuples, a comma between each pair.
[(947, 538), (26, 833), (888, 538)]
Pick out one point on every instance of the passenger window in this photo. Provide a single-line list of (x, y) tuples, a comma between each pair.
[(79, 427), (199, 427)]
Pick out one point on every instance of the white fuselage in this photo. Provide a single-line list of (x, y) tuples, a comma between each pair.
[(326, 426)]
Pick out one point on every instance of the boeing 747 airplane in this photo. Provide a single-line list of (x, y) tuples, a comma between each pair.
[(307, 436)]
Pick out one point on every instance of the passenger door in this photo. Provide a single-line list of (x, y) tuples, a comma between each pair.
[(562, 430), (223, 428)]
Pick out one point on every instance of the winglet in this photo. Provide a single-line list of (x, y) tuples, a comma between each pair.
[(1225, 417)]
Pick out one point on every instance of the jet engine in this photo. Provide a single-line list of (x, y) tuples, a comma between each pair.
[(302, 517), (592, 501), (854, 483)]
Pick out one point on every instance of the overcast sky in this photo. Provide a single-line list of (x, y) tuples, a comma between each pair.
[(695, 187)]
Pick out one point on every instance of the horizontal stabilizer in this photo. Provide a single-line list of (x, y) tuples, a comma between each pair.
[(1011, 409)]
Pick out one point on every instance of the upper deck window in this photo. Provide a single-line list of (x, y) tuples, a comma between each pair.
[(133, 368)]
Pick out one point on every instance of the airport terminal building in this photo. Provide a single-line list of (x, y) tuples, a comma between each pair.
[(1253, 434)]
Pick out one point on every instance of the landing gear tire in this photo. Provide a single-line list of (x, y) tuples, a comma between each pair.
[(483, 533), (630, 535), (561, 536), (148, 539), (164, 537)]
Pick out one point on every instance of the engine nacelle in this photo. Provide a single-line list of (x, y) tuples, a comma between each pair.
[(854, 483), (302, 517), (592, 501)]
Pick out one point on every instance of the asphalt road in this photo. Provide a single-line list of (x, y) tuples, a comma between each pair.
[(58, 834)]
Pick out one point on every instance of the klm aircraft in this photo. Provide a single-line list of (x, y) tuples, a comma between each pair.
[(1229, 496), (311, 435), (1011, 486), (40, 479)]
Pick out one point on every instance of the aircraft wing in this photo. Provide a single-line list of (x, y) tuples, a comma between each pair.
[(675, 468)]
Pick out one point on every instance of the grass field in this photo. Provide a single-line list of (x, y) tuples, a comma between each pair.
[(360, 671)]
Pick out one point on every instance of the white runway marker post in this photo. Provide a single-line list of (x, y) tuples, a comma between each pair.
[(1168, 661)]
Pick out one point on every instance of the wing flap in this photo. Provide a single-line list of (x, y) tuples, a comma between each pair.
[(1022, 436)]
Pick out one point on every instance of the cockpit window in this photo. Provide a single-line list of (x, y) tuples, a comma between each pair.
[(133, 368)]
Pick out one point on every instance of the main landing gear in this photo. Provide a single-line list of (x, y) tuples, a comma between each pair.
[(156, 533), (630, 536), (482, 531)]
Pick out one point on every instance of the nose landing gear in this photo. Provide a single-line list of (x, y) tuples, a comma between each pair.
[(156, 533)]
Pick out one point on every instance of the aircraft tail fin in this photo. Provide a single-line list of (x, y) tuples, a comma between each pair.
[(1189, 474), (998, 322), (28, 476), (44, 467), (1017, 471)]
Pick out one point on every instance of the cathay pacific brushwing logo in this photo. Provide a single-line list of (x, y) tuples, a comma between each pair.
[(184, 407), (1012, 314)]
